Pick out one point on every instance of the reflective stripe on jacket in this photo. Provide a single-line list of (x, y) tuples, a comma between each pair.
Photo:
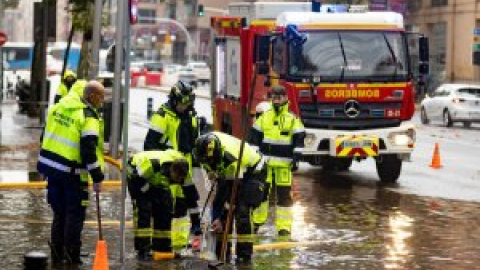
[(73, 139), (277, 133), (230, 154), (154, 166)]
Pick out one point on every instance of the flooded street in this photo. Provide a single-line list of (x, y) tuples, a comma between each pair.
[(339, 224), (347, 220)]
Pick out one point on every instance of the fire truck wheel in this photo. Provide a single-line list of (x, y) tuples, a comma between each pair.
[(424, 117), (389, 168)]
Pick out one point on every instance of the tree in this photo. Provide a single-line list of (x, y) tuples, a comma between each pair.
[(82, 18)]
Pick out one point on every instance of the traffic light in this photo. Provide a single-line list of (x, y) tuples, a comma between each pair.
[(200, 11)]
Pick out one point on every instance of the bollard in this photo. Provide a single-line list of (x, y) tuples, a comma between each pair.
[(149, 108), (35, 260)]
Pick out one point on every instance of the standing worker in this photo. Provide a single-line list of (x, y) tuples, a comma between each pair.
[(150, 175), (219, 154), (277, 132), (175, 126), (72, 149), (68, 80)]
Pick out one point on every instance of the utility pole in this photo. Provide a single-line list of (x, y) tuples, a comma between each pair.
[(97, 28), (43, 92), (117, 84)]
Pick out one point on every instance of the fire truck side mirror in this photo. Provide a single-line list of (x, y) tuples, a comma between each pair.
[(423, 50), (262, 57), (423, 55)]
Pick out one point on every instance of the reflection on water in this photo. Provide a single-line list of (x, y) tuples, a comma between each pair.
[(338, 223), (398, 249)]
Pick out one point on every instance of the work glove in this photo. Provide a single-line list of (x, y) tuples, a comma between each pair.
[(196, 229), (145, 187)]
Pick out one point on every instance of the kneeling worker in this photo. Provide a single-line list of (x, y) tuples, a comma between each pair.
[(150, 175)]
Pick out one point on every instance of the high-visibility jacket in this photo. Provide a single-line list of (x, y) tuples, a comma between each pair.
[(63, 89), (277, 132), (251, 159), (73, 140), (78, 87), (154, 166), (166, 130)]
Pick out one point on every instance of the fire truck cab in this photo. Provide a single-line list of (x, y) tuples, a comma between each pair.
[(348, 76)]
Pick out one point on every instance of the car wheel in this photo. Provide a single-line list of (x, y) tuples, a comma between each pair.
[(424, 117), (467, 124), (447, 119)]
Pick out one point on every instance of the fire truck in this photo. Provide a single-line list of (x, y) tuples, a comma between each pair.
[(348, 75)]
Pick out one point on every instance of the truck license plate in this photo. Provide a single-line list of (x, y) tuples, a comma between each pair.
[(356, 146)]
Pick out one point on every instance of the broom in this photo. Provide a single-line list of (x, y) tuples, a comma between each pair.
[(101, 258)]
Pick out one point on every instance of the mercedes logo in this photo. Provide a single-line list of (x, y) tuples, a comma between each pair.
[(352, 108)]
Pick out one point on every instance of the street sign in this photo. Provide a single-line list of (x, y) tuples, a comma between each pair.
[(133, 11), (476, 47), (3, 38), (476, 32)]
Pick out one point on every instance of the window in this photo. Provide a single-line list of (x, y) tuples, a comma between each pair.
[(277, 56), (474, 92), (190, 8), (146, 16), (439, 3), (172, 10)]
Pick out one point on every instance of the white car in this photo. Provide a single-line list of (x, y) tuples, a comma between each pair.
[(201, 70), (452, 103)]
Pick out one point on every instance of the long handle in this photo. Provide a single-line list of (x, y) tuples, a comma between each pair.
[(236, 181), (99, 216)]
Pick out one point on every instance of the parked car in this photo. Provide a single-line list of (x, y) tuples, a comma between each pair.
[(452, 103), (187, 75), (201, 70)]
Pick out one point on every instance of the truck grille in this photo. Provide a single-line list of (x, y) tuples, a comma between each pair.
[(333, 116)]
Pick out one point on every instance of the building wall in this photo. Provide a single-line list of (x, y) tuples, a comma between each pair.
[(460, 17)]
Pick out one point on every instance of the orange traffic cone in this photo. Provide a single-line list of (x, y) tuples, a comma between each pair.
[(436, 163), (101, 258)]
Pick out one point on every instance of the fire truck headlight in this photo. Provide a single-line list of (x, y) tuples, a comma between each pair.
[(403, 138), (400, 139), (309, 140)]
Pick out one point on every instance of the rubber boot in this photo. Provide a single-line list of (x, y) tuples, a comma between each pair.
[(56, 253)]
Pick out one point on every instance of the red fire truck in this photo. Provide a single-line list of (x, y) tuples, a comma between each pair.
[(348, 75)]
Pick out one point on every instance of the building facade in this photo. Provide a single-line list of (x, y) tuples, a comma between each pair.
[(450, 26)]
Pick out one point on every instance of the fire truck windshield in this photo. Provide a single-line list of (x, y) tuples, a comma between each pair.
[(350, 56)]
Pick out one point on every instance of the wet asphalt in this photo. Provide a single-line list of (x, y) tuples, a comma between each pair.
[(347, 220)]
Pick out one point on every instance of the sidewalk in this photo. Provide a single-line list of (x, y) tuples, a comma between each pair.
[(19, 143)]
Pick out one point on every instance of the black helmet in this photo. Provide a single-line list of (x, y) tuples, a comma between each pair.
[(207, 149), (181, 93)]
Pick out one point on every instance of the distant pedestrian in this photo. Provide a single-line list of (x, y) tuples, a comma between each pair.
[(68, 80), (72, 149)]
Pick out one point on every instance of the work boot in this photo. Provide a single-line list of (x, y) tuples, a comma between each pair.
[(56, 253), (72, 255)]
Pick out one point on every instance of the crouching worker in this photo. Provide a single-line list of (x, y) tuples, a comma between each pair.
[(150, 175), (219, 154)]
